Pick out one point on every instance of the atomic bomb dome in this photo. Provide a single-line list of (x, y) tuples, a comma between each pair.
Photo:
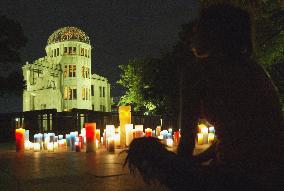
[(68, 34), (62, 79)]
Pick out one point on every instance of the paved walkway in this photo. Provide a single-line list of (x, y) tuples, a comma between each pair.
[(40, 171)]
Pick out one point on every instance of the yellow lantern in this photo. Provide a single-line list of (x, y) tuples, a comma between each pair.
[(124, 118)]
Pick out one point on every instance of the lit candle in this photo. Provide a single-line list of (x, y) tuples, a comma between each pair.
[(200, 127), (27, 135), (77, 146), (153, 133), (90, 137), (81, 140), (72, 141), (104, 138), (211, 137), (211, 129), (124, 118), (148, 132), (50, 147), (200, 138), (111, 146), (117, 139), (83, 132), (176, 137), (56, 142), (158, 130), (27, 145), (204, 131), (98, 135), (170, 130), (60, 137), (110, 131), (170, 142), (20, 140), (164, 133), (129, 134), (67, 136), (40, 137), (138, 131), (36, 147)]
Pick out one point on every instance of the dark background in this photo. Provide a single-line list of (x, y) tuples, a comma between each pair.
[(119, 29)]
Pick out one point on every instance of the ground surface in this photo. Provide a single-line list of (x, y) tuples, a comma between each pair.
[(41, 171)]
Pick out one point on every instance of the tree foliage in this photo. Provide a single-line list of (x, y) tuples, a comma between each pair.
[(132, 80), (270, 34), (12, 39), (152, 84)]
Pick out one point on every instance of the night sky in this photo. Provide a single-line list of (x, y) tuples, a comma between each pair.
[(119, 29)]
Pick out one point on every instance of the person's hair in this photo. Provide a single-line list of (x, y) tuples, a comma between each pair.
[(226, 29)]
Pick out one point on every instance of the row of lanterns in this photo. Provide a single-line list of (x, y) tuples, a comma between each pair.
[(91, 138)]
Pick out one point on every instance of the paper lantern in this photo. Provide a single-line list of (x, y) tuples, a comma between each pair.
[(211, 129), (211, 137), (129, 133), (110, 131), (50, 147), (199, 138), (20, 140), (117, 139), (72, 141), (124, 118), (170, 142), (158, 130), (204, 131), (111, 145), (27, 145), (98, 135), (36, 147), (176, 137), (78, 146), (138, 131), (27, 135), (90, 137), (148, 132)]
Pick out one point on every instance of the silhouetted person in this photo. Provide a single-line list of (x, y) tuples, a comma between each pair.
[(233, 93)]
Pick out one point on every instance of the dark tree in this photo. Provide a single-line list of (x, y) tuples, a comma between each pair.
[(12, 39)]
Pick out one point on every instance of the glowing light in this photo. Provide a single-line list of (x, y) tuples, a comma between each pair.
[(199, 138), (170, 142), (111, 145), (50, 147), (129, 133), (36, 147), (148, 132), (20, 140), (90, 137), (211, 137), (124, 118), (138, 131), (158, 130)]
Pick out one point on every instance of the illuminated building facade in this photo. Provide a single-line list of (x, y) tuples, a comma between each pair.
[(62, 79)]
